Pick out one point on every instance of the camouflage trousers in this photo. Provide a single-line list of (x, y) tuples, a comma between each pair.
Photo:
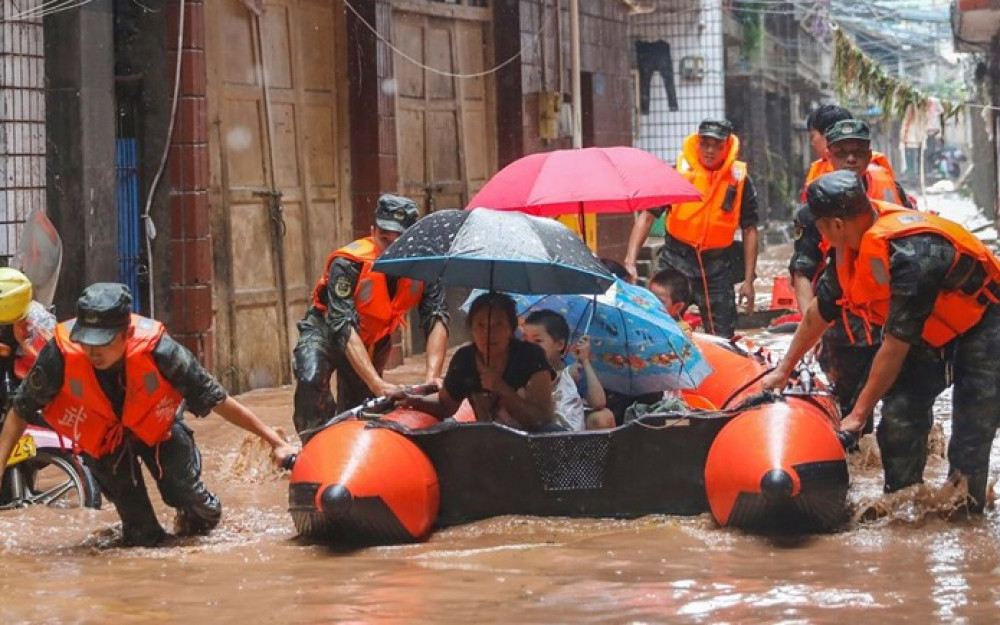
[(907, 413), (847, 368), (315, 359)]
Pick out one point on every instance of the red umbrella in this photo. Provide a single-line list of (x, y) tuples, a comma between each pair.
[(587, 180)]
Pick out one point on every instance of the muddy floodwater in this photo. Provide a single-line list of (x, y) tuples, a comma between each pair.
[(907, 563)]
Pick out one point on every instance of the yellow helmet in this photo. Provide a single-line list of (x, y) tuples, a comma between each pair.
[(15, 295)]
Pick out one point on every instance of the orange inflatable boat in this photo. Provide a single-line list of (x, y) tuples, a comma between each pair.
[(756, 461)]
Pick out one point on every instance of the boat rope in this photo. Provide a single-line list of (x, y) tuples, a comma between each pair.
[(745, 386)]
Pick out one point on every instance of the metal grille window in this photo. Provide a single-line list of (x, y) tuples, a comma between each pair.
[(22, 119), (677, 72)]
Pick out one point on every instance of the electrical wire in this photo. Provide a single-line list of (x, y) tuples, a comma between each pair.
[(439, 72), (51, 7)]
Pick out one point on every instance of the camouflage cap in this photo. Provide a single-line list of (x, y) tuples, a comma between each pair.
[(716, 128), (848, 129), (395, 213), (102, 312), (838, 194)]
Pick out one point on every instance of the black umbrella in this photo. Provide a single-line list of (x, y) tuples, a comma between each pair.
[(495, 250)]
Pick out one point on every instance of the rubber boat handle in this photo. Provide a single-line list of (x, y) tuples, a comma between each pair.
[(374, 404), (849, 440), (289, 462)]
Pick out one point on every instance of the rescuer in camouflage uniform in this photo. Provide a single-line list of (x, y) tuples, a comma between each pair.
[(925, 262)]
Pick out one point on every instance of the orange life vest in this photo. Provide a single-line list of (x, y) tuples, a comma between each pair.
[(83, 413), (823, 166), (711, 223), (864, 278), (881, 186), (379, 314)]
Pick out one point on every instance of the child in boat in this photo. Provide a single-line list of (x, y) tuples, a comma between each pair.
[(550, 331), (673, 289)]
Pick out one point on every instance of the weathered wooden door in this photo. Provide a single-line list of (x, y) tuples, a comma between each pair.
[(445, 119), (445, 123), (279, 184)]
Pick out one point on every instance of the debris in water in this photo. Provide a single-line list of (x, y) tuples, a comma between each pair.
[(867, 456), (253, 460), (937, 442), (915, 503)]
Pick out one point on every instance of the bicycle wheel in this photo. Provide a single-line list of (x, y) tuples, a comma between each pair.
[(61, 481)]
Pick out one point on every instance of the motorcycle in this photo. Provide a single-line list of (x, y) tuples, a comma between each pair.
[(42, 469)]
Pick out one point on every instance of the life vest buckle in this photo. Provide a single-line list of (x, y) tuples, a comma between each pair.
[(988, 294)]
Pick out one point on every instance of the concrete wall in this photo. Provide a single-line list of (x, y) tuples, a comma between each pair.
[(79, 68)]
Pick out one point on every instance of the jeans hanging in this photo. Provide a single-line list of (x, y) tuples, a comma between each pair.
[(652, 57)]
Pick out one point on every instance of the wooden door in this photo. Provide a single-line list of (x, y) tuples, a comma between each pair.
[(446, 124), (279, 185)]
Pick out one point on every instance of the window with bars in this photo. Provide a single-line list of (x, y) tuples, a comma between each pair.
[(22, 120), (677, 72)]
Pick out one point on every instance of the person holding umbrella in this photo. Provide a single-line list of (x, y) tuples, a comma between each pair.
[(507, 380), (348, 329), (699, 234)]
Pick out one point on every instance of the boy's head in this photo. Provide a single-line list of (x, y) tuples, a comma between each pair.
[(673, 289), (820, 121), (549, 330)]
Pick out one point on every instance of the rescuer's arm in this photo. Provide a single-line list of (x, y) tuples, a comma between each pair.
[(344, 323), (815, 320), (636, 239), (242, 417), (918, 266), (435, 320)]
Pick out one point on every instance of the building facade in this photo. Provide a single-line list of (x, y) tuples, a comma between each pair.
[(288, 120)]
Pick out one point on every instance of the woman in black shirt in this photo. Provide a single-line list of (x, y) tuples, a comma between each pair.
[(506, 378)]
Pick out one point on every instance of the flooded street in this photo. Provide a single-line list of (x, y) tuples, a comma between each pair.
[(910, 564)]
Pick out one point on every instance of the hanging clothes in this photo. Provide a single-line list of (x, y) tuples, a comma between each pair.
[(652, 57)]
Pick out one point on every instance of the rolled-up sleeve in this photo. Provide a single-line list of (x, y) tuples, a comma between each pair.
[(917, 268), (829, 292), (433, 307), (42, 383), (181, 370), (749, 207), (341, 312)]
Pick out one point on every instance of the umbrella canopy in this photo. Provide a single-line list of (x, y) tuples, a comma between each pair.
[(489, 249), (636, 347), (588, 180)]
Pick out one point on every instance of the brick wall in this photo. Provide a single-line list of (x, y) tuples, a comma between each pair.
[(372, 110), (190, 234)]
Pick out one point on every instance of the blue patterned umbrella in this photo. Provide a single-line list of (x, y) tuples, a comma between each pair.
[(636, 347)]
